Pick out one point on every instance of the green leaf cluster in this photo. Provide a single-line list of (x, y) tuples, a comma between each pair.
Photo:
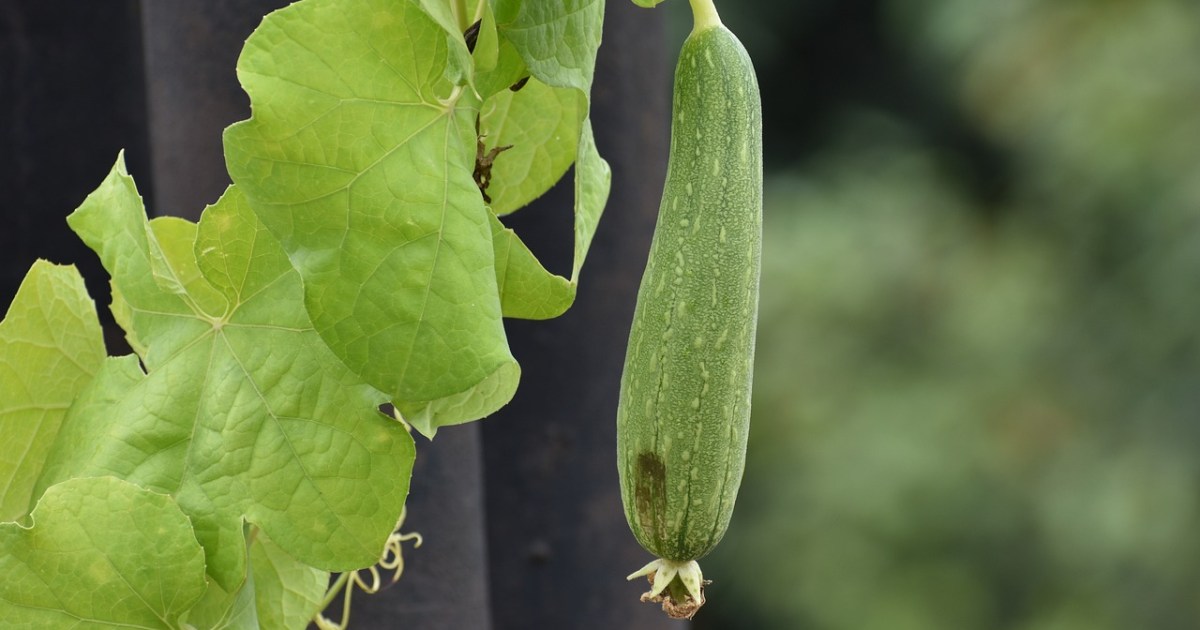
[(368, 126), (214, 478)]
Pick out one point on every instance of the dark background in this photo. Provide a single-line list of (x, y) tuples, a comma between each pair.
[(976, 395)]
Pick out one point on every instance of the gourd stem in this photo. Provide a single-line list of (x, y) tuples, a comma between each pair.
[(704, 14)]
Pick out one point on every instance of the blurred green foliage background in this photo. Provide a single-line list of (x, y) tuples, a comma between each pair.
[(977, 396)]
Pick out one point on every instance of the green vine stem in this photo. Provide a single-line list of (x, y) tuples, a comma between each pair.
[(704, 14)]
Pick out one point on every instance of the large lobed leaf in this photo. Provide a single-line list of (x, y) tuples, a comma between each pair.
[(242, 414), (359, 159), (50, 347)]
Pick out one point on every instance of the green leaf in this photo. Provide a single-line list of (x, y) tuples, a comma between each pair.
[(542, 125), (529, 291), (243, 414), (219, 609), (508, 69), (50, 347), (649, 4), (558, 40), (101, 553), (459, 62), (278, 593), (593, 179), (287, 593), (359, 158), (487, 44), (175, 267), (558, 43)]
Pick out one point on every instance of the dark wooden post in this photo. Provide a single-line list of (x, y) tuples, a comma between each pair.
[(192, 94), (558, 544)]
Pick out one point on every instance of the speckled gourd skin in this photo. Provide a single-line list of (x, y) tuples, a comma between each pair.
[(684, 411)]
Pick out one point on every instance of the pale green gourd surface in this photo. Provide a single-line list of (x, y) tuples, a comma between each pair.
[(684, 411)]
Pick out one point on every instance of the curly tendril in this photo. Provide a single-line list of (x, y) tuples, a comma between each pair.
[(392, 560)]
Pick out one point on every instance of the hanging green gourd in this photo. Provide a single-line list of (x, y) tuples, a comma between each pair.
[(684, 410)]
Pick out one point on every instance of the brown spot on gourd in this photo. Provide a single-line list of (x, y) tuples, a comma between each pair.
[(650, 493)]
